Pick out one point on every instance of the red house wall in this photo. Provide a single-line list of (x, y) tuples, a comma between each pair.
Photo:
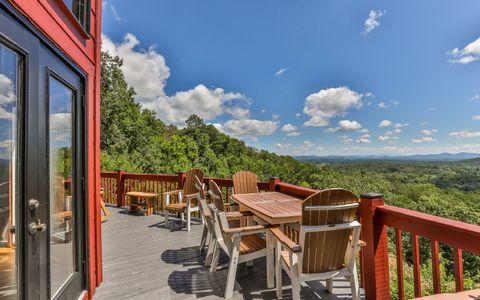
[(56, 21)]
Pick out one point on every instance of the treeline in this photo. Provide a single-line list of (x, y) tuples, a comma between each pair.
[(135, 140)]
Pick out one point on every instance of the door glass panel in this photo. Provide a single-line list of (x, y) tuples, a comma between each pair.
[(9, 62), (62, 231)]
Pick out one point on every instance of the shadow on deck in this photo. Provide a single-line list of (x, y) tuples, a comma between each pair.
[(144, 260)]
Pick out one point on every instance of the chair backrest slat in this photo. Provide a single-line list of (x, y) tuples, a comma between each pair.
[(325, 251), (216, 195), (189, 184), (202, 202), (245, 182)]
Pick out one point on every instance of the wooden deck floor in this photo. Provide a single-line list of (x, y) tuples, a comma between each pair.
[(144, 260)]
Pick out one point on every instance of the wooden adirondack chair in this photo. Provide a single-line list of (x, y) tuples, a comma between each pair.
[(186, 198), (207, 221), (329, 236), (245, 182), (242, 244)]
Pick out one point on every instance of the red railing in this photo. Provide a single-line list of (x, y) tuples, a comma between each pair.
[(374, 216)]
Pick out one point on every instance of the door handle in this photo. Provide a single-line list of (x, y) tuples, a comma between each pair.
[(38, 226)]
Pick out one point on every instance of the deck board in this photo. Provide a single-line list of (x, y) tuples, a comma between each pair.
[(144, 260)]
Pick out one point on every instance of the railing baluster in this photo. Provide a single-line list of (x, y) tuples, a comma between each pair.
[(417, 281), (399, 254), (435, 267), (458, 268)]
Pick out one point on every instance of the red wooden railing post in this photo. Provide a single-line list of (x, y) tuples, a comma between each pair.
[(120, 188), (375, 253), (272, 183), (181, 179)]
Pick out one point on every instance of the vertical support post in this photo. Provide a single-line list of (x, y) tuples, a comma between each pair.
[(120, 188), (181, 179), (458, 269), (272, 183), (435, 267), (375, 253)]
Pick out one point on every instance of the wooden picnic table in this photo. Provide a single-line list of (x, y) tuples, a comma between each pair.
[(135, 202), (272, 207)]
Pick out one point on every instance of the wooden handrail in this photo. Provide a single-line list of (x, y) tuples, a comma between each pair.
[(450, 232)]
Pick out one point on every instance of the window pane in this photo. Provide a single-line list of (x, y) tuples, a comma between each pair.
[(79, 10), (62, 250), (8, 170)]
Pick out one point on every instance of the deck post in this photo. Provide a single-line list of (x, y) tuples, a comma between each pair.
[(120, 188), (272, 183), (181, 179), (375, 253)]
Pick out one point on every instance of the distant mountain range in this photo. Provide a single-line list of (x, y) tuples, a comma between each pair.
[(418, 157)]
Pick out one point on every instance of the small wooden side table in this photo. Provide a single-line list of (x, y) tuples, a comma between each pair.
[(135, 201)]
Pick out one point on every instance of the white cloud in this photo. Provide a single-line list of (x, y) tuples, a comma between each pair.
[(466, 134), (205, 103), (432, 109), (468, 54), (306, 146), (250, 128), (373, 21), (6, 115), (349, 125), (280, 72), (238, 112), (146, 71), (363, 141), (329, 103), (290, 130), (476, 118), (298, 115), (391, 103), (398, 150), (345, 125), (385, 123), (345, 139), (400, 125), (364, 130), (429, 132), (284, 146), (425, 139), (476, 97), (263, 110), (275, 117), (7, 90), (115, 14)]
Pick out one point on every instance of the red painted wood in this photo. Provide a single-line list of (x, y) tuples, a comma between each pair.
[(458, 269), (374, 233), (272, 183), (435, 267), (399, 255), (453, 233), (121, 188), (297, 191), (417, 281)]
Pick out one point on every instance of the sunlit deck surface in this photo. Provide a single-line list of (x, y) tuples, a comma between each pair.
[(144, 260)]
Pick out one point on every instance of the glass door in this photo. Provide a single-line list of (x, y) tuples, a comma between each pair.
[(10, 87), (42, 155)]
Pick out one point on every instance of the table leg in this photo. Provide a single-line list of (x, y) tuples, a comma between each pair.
[(270, 262)]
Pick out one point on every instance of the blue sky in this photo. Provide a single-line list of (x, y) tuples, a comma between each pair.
[(308, 76)]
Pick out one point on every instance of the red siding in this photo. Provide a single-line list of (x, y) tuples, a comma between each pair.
[(56, 22)]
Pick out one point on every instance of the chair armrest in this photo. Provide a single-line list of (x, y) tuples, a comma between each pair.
[(246, 230), (233, 215), (360, 242), (190, 196), (172, 192), (282, 238)]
